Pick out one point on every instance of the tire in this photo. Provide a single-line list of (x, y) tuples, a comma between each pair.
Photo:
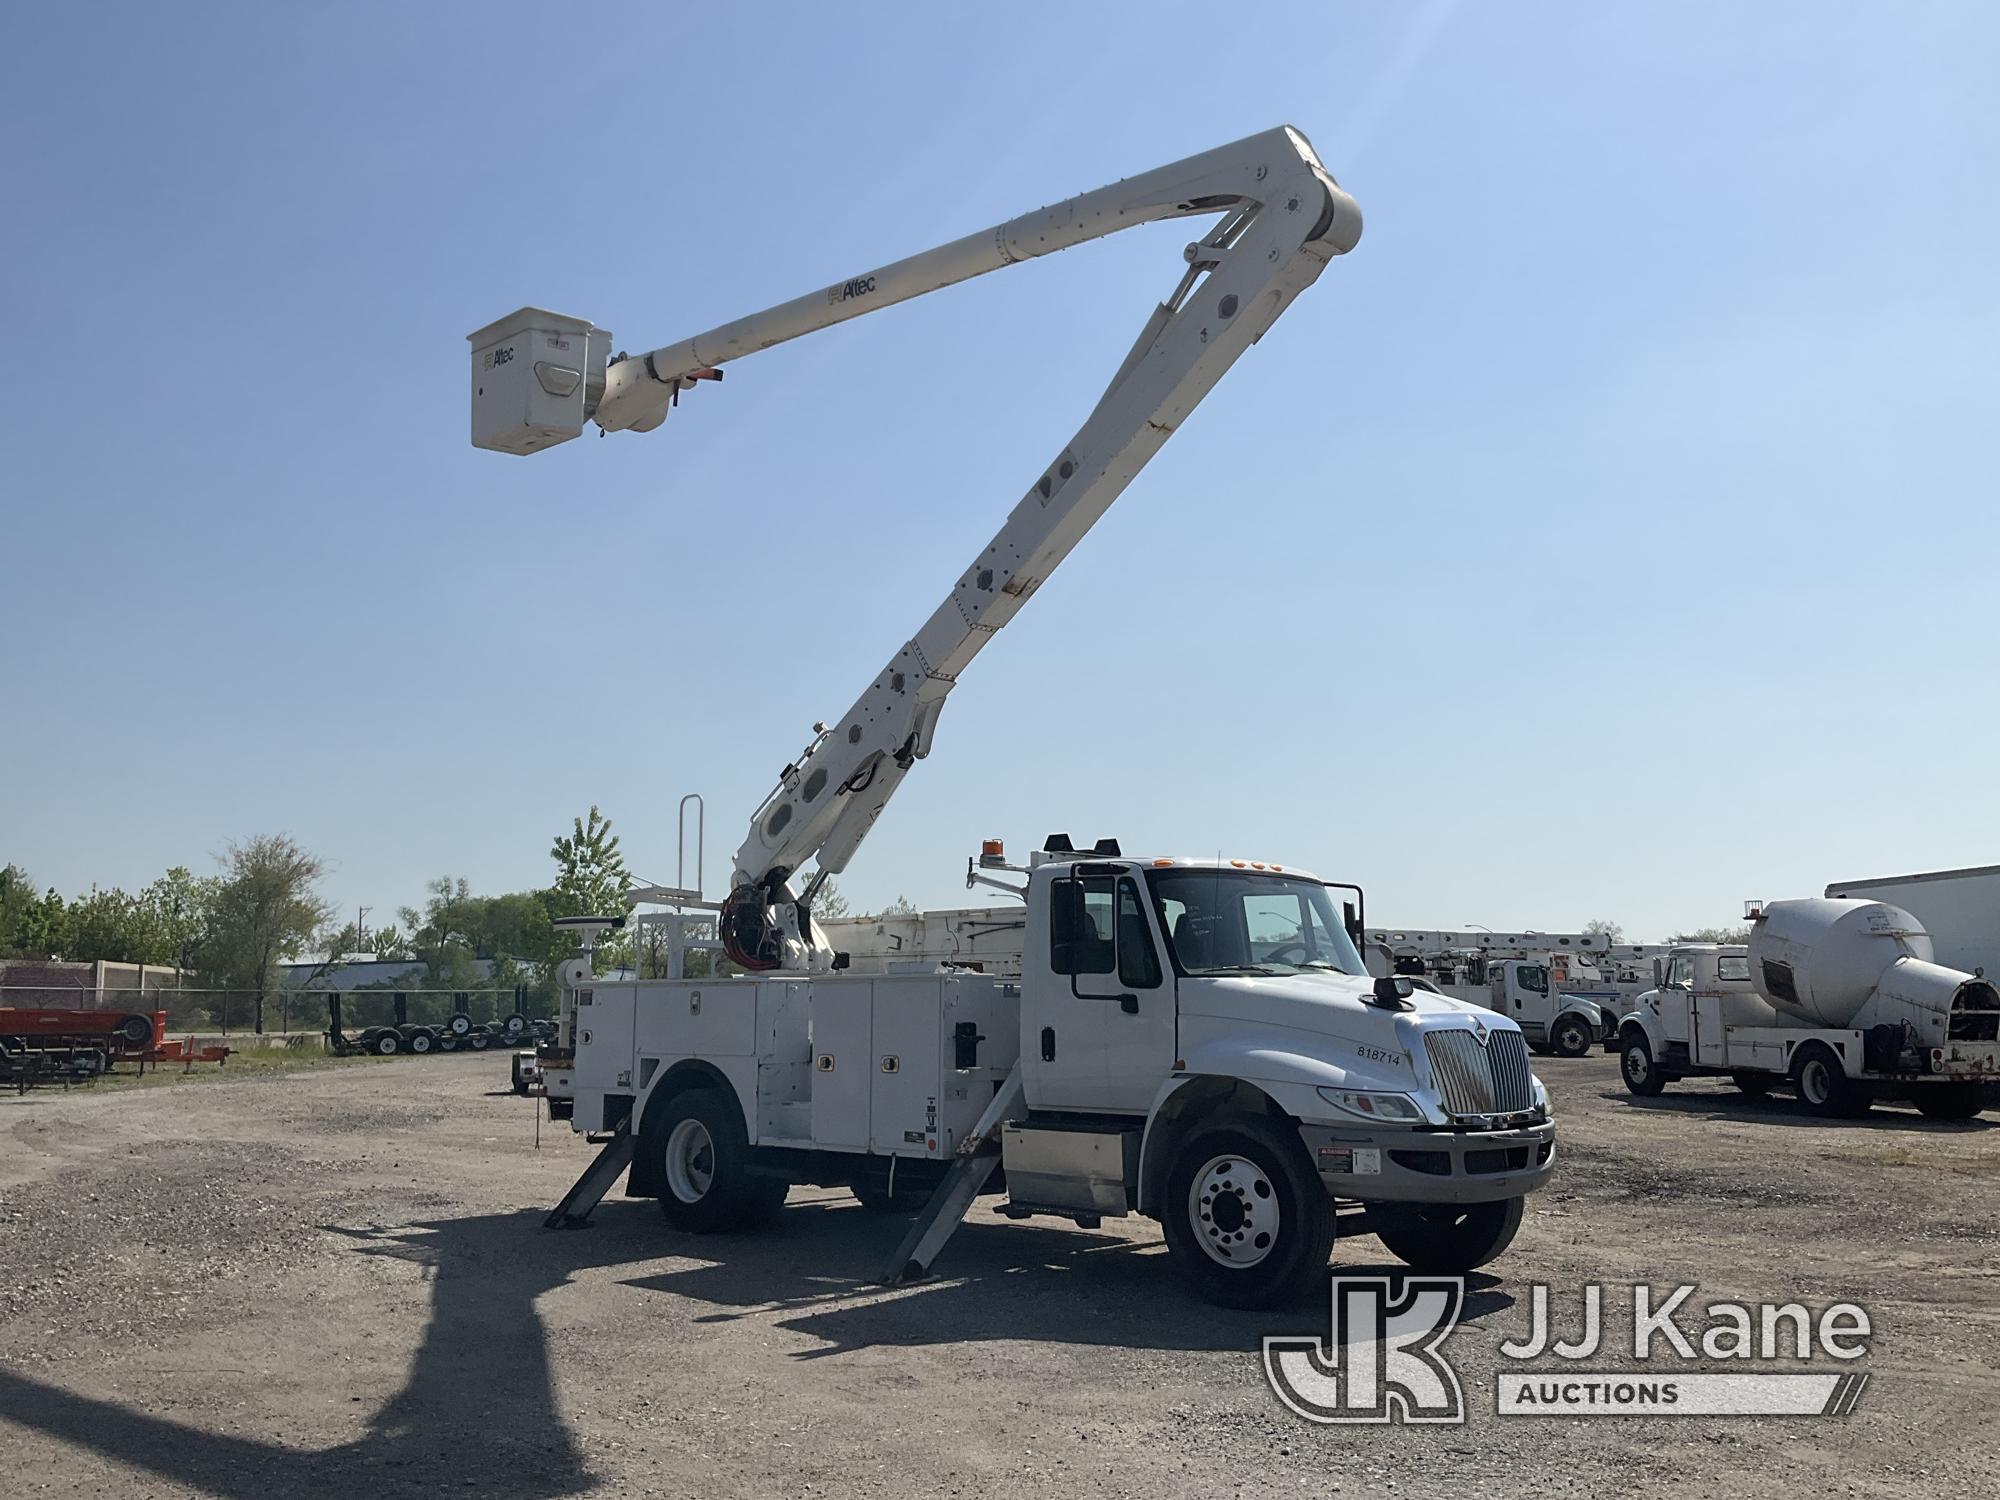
[(1824, 1087), (1571, 1037), (422, 1039), (477, 1041), (514, 1025), (1247, 1220), (447, 1042), (1951, 1101), (1756, 1085), (1636, 1066), (459, 1024), (1446, 1239), (136, 1031), (702, 1159), (388, 1043)]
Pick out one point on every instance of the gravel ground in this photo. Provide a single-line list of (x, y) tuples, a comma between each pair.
[(335, 1283)]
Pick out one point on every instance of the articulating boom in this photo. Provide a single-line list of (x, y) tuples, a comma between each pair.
[(1281, 219)]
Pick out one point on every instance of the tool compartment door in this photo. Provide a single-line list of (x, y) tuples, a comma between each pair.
[(842, 1064), (905, 1084), (604, 1021)]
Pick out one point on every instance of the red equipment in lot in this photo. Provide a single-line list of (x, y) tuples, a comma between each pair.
[(120, 1033)]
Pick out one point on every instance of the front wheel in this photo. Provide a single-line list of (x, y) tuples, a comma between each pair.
[(1639, 1069), (1572, 1037), (1446, 1239), (1951, 1101), (1247, 1220)]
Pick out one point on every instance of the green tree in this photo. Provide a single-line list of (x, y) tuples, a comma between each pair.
[(1724, 935), (179, 903), (19, 905), (114, 927), (41, 927), (591, 879), (902, 906), (267, 908)]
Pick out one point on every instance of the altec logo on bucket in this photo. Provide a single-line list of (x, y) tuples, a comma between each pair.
[(1383, 1358)]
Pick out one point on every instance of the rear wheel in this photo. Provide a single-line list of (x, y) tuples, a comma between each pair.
[(477, 1041), (1571, 1037), (1951, 1101), (705, 1184), (1446, 1238), (421, 1040), (1636, 1065), (1824, 1085), (1247, 1220), (388, 1043)]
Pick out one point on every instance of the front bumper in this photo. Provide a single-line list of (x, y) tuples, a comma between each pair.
[(1431, 1166)]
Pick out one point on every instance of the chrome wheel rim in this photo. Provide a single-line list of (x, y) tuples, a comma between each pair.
[(690, 1161), (1232, 1210), (1636, 1065)]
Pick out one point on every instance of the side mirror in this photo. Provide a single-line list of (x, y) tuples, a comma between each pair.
[(1392, 992)]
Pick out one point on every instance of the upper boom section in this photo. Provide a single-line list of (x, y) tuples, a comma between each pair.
[(1281, 217)]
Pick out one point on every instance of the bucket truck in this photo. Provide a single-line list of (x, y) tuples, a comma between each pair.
[(1194, 1040), (1839, 997)]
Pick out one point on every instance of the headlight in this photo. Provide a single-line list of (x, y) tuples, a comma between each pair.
[(1541, 1097), (1392, 1109)]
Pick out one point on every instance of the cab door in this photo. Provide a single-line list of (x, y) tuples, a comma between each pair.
[(1529, 984), (1100, 1030)]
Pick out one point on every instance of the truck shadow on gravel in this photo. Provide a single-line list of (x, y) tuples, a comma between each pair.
[(476, 1413), (1729, 1104), (1039, 1281)]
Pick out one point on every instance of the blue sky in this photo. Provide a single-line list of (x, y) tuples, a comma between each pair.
[(1611, 534)]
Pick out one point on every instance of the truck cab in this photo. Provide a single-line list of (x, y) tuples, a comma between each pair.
[(1704, 990), (1531, 994)]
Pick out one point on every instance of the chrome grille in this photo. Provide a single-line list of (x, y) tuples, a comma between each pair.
[(1476, 1080)]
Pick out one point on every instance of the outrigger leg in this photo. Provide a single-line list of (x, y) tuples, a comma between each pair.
[(597, 1180), (979, 1154)]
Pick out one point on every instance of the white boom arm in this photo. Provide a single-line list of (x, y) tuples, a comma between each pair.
[(1282, 218)]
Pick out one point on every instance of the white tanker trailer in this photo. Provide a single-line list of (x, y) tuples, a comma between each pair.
[(1839, 997)]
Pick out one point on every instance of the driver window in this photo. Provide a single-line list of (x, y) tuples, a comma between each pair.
[(1680, 972), (1080, 939), (1138, 964), (1534, 979)]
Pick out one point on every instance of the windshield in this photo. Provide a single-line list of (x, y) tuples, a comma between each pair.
[(1234, 922)]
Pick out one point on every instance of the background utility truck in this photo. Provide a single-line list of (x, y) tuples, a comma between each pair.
[(1532, 994), (1840, 997), (1197, 1042)]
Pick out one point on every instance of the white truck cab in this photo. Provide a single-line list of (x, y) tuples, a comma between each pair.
[(1191, 1040), (1531, 994)]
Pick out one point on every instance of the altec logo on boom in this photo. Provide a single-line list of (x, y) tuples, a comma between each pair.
[(1383, 1359)]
